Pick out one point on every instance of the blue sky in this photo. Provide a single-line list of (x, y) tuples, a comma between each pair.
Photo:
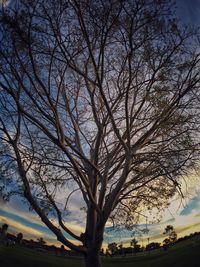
[(193, 205), (189, 11)]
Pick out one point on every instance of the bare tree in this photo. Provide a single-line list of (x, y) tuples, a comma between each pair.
[(98, 98)]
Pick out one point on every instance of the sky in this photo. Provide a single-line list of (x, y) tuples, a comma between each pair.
[(183, 215), (188, 11)]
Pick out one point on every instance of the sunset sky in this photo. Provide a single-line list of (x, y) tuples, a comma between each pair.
[(184, 214)]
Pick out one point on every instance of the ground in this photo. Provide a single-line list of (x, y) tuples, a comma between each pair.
[(184, 254)]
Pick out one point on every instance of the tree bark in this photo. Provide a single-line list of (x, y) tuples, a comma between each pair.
[(92, 259)]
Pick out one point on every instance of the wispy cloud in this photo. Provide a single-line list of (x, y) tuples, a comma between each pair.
[(16, 227), (193, 205), (31, 225)]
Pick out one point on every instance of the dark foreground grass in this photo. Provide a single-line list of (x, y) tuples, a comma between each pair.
[(184, 254)]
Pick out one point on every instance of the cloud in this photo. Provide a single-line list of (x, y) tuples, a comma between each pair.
[(185, 221), (16, 227), (31, 233), (31, 226), (193, 205)]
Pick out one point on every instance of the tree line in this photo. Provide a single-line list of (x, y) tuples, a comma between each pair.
[(172, 239)]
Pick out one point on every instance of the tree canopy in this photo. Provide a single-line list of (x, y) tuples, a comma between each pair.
[(172, 235), (99, 100)]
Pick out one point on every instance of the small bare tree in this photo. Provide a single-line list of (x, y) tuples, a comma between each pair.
[(98, 100)]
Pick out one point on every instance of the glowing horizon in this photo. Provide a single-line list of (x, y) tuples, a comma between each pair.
[(185, 222)]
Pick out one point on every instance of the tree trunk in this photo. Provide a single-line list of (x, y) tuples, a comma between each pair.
[(92, 259), (93, 238)]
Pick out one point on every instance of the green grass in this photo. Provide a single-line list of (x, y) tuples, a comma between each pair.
[(24, 257), (184, 254)]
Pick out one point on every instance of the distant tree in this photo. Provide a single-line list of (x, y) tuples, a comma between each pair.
[(102, 251), (172, 235), (112, 248), (62, 249), (3, 235), (41, 241), (4, 229), (19, 238), (166, 243), (99, 99), (107, 252), (120, 248), (134, 243), (152, 245)]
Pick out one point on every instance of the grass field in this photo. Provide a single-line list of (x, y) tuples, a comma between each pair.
[(184, 254)]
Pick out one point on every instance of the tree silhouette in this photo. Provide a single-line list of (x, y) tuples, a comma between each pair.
[(112, 248), (172, 235), (98, 105), (4, 228), (19, 238), (41, 241), (166, 243), (4, 233), (153, 245), (133, 243)]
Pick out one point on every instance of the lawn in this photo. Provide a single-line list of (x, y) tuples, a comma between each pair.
[(184, 254)]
